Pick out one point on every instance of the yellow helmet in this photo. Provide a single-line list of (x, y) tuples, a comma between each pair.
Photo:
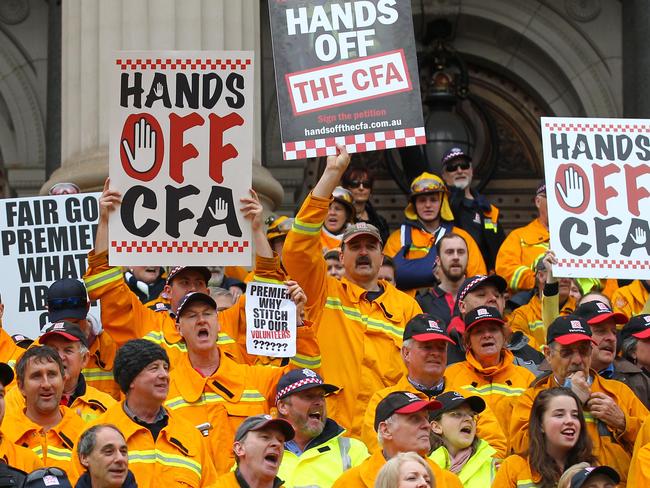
[(429, 183), (344, 197), (278, 226)]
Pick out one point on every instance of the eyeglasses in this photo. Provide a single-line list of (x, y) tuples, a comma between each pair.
[(451, 167), (358, 183), (39, 474), (458, 415), (65, 303)]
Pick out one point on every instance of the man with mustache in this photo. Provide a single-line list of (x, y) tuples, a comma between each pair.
[(618, 414), (360, 317), (320, 452), (472, 211)]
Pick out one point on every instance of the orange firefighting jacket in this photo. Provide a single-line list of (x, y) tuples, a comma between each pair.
[(99, 370), (499, 385), (229, 480), (515, 472), (610, 447), (487, 426), (125, 317), (364, 475), (422, 242), (9, 351), (18, 457), (528, 319), (359, 340), (518, 252), (329, 241), (630, 299), (224, 399), (640, 464), (178, 456), (88, 406), (56, 447)]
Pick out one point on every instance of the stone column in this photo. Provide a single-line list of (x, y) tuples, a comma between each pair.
[(93, 29), (636, 58)]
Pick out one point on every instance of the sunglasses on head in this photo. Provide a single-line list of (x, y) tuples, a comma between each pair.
[(39, 474), (65, 303), (358, 183), (453, 166)]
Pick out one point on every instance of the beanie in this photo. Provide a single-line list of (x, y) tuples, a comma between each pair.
[(132, 358)]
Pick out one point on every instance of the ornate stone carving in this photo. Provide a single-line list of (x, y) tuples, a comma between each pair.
[(13, 11), (583, 10)]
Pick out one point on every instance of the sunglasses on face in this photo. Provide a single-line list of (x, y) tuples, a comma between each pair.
[(464, 165), (358, 183)]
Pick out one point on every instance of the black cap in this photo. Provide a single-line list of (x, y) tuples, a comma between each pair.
[(22, 341), (596, 312), (426, 327), (6, 374), (67, 299), (568, 329), (541, 188), (205, 272), (583, 475), (194, 296), (474, 282), (259, 422), (638, 326), (47, 478), (403, 402), (454, 153), (301, 379), (482, 314), (68, 330), (451, 400)]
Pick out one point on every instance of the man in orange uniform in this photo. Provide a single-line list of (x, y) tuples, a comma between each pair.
[(360, 318), (489, 370), (207, 386), (402, 425), (15, 456), (613, 412), (164, 448), (428, 218), (424, 352), (522, 246), (43, 425), (258, 448), (632, 299)]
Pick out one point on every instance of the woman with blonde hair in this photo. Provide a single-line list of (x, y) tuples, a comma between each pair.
[(405, 470), (565, 479)]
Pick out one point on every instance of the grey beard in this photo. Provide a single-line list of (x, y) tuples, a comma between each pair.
[(461, 185)]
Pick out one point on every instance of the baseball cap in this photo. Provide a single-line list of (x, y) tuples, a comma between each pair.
[(6, 374), (194, 296), (67, 299), (638, 326), (63, 328), (402, 402), (451, 400), (474, 282), (541, 188), (301, 379), (205, 272), (259, 422), (482, 314), (359, 229), (598, 312), (583, 475), (426, 327), (47, 478), (568, 329), (454, 153), (22, 341)]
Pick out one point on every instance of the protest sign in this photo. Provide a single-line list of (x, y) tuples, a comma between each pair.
[(270, 320), (597, 180), (181, 151), (346, 72), (42, 239)]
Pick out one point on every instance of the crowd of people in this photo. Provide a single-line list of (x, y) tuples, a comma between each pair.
[(443, 354)]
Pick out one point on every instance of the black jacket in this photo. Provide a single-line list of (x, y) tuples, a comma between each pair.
[(84, 481), (378, 221)]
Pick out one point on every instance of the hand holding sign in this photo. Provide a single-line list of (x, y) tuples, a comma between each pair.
[(143, 155), (573, 192)]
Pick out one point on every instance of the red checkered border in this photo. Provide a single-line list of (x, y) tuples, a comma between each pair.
[(179, 246), (305, 381), (615, 128), (606, 263), (187, 63), (312, 148)]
